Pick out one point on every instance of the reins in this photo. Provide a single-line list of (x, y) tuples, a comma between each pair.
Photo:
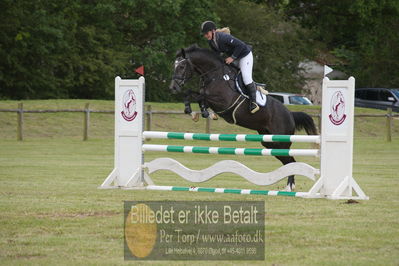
[(233, 107)]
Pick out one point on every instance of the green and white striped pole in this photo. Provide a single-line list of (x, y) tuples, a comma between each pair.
[(230, 191), (234, 151), (231, 137)]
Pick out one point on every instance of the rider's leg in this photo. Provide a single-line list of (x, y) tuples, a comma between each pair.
[(246, 64), (253, 106)]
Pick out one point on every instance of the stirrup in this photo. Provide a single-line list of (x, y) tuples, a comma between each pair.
[(253, 110)]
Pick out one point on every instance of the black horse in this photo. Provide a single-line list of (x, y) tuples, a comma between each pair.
[(217, 91)]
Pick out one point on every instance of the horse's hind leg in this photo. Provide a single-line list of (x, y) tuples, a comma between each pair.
[(283, 159), (291, 179)]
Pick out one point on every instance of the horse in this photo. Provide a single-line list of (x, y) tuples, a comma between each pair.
[(217, 90)]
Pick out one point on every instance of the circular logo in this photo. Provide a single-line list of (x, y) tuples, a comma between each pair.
[(337, 108), (140, 230), (129, 105)]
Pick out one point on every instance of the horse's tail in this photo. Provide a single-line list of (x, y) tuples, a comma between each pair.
[(304, 121)]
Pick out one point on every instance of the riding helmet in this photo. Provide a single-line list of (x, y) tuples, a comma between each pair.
[(207, 26)]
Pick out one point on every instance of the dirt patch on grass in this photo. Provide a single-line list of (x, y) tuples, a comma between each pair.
[(78, 214), (26, 256)]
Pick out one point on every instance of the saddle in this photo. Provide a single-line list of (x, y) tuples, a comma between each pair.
[(261, 91)]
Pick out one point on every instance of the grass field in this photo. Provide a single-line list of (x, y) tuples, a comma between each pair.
[(51, 211)]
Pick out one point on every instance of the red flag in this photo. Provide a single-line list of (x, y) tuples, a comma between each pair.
[(140, 70)]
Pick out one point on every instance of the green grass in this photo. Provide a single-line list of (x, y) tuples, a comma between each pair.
[(51, 211)]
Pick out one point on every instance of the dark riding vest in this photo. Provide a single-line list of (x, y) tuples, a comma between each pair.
[(228, 44)]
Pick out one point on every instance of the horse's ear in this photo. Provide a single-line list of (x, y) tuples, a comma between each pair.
[(183, 53)]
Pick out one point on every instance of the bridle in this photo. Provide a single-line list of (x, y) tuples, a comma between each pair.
[(182, 79)]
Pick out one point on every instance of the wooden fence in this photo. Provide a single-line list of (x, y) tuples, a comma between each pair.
[(149, 117)]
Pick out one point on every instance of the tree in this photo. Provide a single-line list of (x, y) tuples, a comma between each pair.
[(361, 33), (32, 46), (155, 30), (75, 48)]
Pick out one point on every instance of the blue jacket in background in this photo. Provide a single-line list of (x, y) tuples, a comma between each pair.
[(228, 44)]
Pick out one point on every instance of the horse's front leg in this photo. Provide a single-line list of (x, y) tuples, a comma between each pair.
[(203, 108), (187, 106), (188, 110)]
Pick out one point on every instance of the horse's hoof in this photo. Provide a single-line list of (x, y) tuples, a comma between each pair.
[(290, 188), (214, 116), (195, 117)]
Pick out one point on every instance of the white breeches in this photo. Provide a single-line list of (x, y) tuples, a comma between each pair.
[(245, 65)]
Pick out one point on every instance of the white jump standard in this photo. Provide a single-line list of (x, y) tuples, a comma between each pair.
[(336, 149)]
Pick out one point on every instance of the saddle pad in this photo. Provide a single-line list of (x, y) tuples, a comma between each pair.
[(261, 98)]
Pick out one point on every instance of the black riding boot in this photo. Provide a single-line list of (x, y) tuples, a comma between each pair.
[(253, 106)]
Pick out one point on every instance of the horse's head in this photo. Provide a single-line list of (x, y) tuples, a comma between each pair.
[(183, 71), (194, 60)]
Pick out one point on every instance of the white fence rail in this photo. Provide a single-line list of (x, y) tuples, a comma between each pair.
[(389, 116)]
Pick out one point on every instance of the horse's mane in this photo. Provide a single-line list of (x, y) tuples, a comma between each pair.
[(195, 48), (192, 48)]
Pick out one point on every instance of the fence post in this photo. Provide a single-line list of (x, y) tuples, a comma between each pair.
[(389, 124), (208, 125), (149, 117), (20, 124), (86, 121), (319, 122)]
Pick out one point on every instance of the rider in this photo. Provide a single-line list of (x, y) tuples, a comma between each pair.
[(235, 49)]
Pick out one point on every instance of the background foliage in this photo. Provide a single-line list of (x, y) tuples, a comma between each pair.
[(75, 48), (362, 34)]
